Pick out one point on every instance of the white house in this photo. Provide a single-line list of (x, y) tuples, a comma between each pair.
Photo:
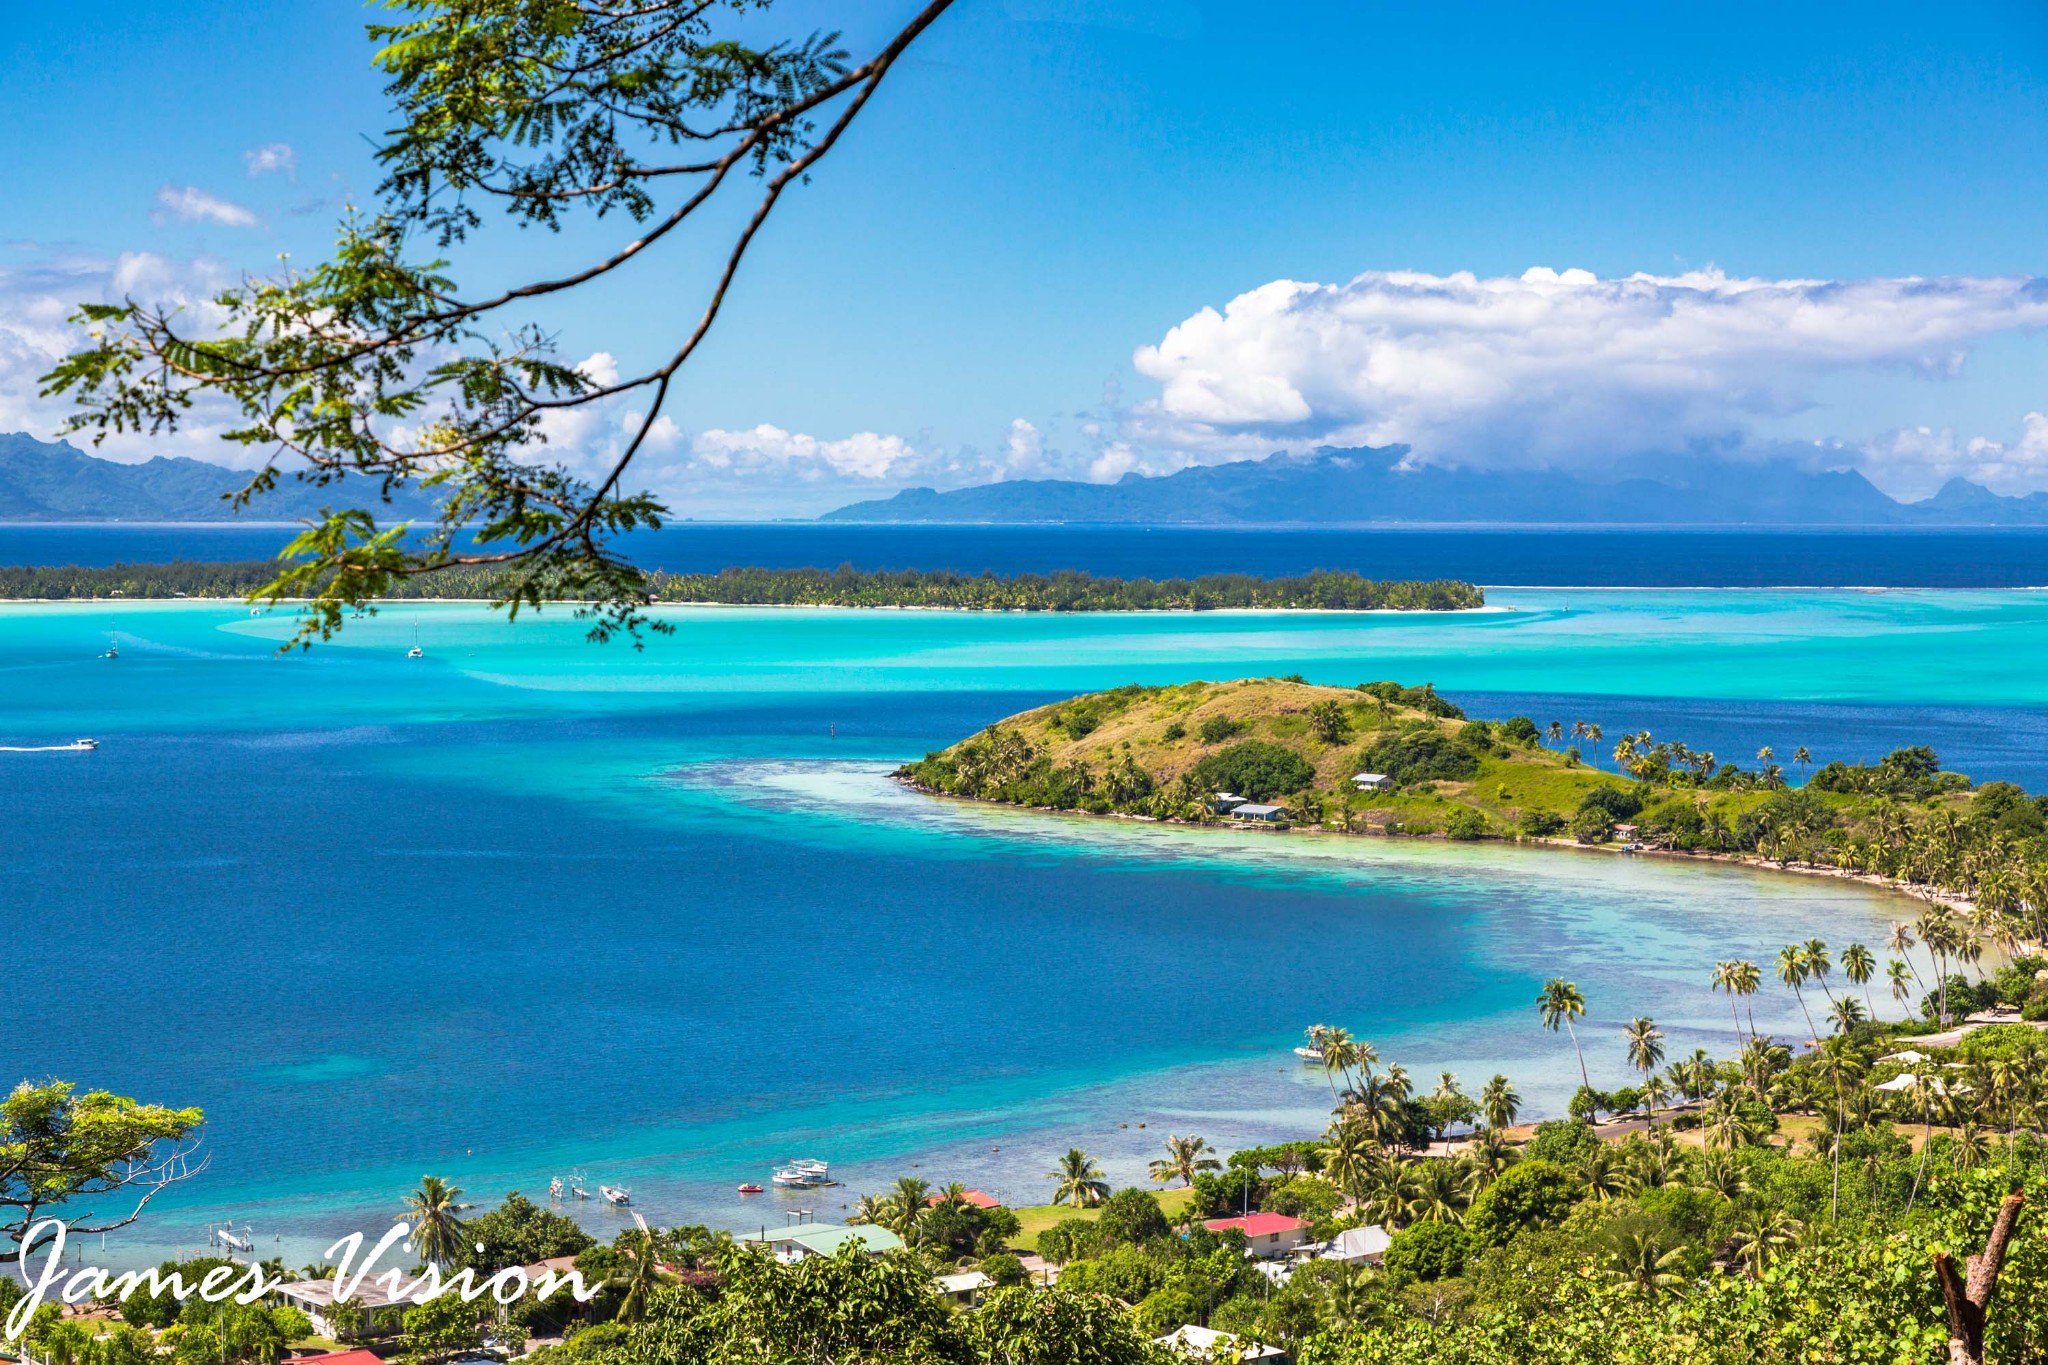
[(1269, 815), (1372, 782), (1270, 1234), (964, 1288), (1205, 1343), (1359, 1246), (1224, 802), (824, 1239)]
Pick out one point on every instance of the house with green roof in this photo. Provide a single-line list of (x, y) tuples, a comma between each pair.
[(825, 1239)]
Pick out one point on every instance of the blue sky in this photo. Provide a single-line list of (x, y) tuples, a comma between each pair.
[(1050, 185)]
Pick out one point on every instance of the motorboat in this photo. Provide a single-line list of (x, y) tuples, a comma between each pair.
[(555, 1188), (750, 1188), (614, 1195), (1309, 1054), (803, 1175)]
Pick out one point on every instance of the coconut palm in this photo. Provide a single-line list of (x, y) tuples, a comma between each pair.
[(1721, 1171), (1760, 1235), (1602, 1173), (1593, 741), (1499, 1102), (1792, 971), (1858, 963), (1080, 1180), (1440, 1192), (1725, 980), (1559, 1004), (1896, 973), (1185, 1156), (1645, 1048), (1765, 754), (1726, 1125), (907, 1203), (1847, 1013), (1349, 1156), (870, 1208), (1839, 1064), (1489, 1154), (1818, 964), (1555, 732), (1636, 1255), (642, 1277), (434, 1210), (1803, 756), (1901, 941)]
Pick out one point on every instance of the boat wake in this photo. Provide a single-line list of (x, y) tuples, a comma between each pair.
[(76, 746)]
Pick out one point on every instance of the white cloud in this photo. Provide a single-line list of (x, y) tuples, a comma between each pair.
[(37, 299), (272, 158), (190, 204), (864, 455), (1915, 461), (1546, 367)]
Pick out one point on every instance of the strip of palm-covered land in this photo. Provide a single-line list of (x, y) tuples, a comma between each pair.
[(1386, 759)]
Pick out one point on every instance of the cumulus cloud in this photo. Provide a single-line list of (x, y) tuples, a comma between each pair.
[(273, 158), (1546, 367), (190, 204), (37, 299), (1915, 461), (864, 455)]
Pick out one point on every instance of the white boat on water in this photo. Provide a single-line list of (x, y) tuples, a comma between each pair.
[(1309, 1054), (614, 1195), (804, 1175)]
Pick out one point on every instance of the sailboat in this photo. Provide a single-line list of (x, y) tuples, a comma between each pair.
[(415, 652), (113, 648)]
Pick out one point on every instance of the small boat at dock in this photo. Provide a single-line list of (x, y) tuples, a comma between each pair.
[(614, 1195)]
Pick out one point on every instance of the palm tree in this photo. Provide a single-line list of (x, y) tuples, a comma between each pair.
[(1803, 756), (1600, 1171), (1440, 1193), (1729, 977), (433, 1210), (642, 1278), (1901, 941), (1840, 1064), (1896, 973), (1184, 1157), (1489, 1155), (1500, 1103), (1560, 1003), (1792, 971), (907, 1203), (1764, 755), (1760, 1234), (1858, 963), (1818, 964), (1349, 1155), (870, 1208), (1555, 733), (1080, 1180), (1593, 742), (1645, 1051)]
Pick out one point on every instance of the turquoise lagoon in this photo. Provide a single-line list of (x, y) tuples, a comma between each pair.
[(529, 905)]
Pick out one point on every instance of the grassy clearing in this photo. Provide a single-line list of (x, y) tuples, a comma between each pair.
[(1039, 1217)]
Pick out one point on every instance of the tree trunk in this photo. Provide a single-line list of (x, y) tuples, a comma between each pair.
[(1969, 1295)]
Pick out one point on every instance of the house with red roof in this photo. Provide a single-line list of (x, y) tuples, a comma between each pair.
[(1270, 1234), (977, 1198)]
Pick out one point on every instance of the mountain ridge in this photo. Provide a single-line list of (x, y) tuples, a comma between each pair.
[(44, 481), (1370, 485)]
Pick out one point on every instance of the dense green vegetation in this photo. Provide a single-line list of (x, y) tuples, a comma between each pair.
[(1977, 853), (841, 587)]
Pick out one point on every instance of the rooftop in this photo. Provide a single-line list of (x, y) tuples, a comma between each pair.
[(1258, 1224), (825, 1239), (1207, 1341)]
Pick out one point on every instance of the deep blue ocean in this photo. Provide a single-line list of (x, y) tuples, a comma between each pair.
[(1518, 557)]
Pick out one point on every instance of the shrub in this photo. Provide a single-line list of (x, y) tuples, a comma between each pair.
[(1070, 1239), (1216, 729), (1465, 823), (1299, 1197), (1533, 1193), (1328, 721), (1591, 826), (1005, 1268), (1541, 824), (1616, 803), (1132, 1215), (1174, 731), (1420, 755), (1563, 1141), (1254, 768), (1428, 1251), (1521, 730)]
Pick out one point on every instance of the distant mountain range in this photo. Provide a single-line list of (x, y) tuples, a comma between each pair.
[(1331, 486), (55, 481)]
